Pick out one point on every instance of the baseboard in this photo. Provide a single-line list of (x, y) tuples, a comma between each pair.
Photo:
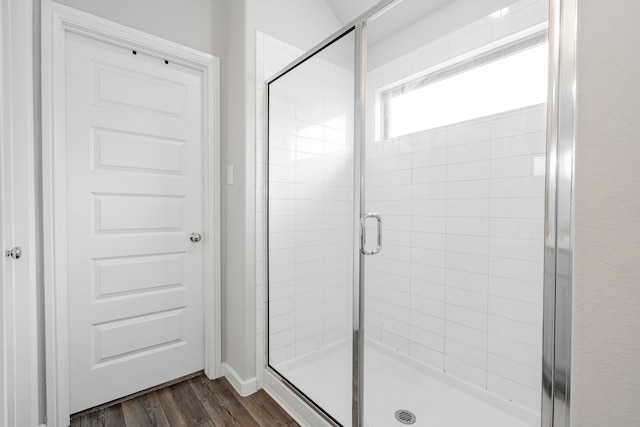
[(302, 413), (243, 387)]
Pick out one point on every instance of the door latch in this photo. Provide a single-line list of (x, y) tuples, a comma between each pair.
[(14, 253)]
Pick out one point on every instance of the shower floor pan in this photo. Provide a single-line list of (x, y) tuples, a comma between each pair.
[(391, 385)]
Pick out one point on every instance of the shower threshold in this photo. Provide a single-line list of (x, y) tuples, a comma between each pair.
[(395, 382)]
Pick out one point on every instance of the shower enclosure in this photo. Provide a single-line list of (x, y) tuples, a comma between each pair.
[(417, 198)]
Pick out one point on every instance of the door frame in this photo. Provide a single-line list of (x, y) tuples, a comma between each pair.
[(57, 20)]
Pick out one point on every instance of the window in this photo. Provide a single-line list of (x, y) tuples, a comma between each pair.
[(504, 79)]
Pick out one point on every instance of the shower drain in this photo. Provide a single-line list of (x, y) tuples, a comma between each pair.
[(405, 417)]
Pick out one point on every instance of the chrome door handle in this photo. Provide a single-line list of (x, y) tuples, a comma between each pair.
[(14, 253), (195, 237), (363, 233)]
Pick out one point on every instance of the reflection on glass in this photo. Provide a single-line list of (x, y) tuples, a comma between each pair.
[(311, 158)]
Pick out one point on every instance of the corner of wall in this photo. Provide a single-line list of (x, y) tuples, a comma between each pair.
[(238, 285), (244, 387)]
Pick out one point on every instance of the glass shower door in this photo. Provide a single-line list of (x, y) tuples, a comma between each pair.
[(311, 227), (451, 181), (455, 167)]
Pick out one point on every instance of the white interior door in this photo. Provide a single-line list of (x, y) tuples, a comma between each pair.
[(134, 196), (20, 401)]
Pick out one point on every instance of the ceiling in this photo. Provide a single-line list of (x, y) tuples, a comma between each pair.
[(348, 10)]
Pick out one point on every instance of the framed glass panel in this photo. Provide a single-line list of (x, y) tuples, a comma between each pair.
[(455, 168), (310, 227)]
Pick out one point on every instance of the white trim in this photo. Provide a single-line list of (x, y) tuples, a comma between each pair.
[(56, 21), (299, 411), (19, 368), (5, 398), (212, 241), (243, 387)]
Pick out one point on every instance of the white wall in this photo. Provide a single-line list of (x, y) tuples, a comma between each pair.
[(302, 23), (445, 20), (606, 336), (236, 326), (199, 24), (458, 284), (310, 200)]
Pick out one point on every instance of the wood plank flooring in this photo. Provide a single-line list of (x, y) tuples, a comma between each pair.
[(197, 401)]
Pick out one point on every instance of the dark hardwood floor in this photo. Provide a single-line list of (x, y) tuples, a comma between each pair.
[(197, 401)]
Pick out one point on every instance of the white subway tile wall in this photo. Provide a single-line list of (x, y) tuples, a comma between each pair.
[(458, 284), (272, 55), (310, 203)]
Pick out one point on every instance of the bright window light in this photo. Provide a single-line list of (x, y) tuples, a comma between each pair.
[(508, 83)]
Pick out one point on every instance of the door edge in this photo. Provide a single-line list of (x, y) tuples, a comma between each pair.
[(19, 386)]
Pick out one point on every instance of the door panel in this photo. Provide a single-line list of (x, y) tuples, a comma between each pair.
[(122, 275), (124, 151), (134, 194), (143, 213)]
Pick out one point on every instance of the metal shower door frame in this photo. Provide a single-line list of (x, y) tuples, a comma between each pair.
[(558, 236)]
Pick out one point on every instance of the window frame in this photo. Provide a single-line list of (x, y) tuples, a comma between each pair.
[(458, 67)]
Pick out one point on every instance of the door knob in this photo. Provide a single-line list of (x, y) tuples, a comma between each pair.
[(14, 253), (195, 237)]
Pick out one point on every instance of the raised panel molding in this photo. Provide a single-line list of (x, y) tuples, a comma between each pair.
[(146, 333), (146, 213), (151, 95), (128, 152), (113, 277)]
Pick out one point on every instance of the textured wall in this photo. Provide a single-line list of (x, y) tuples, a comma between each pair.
[(606, 336)]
